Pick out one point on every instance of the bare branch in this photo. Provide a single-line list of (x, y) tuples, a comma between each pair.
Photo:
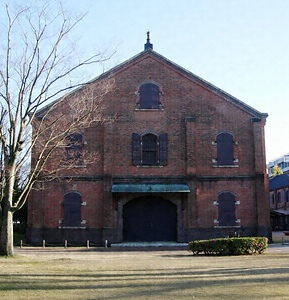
[(37, 63)]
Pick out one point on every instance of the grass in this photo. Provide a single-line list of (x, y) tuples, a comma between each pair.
[(37, 273)]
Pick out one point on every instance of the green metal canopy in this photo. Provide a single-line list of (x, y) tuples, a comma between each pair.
[(150, 188)]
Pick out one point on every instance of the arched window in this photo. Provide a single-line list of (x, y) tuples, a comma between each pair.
[(149, 149), (287, 196), (225, 149), (72, 209), (149, 96), (226, 207), (74, 146)]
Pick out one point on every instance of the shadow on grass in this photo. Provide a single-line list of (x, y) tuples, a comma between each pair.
[(235, 274), (200, 277)]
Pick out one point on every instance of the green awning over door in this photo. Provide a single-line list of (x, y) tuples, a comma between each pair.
[(150, 188)]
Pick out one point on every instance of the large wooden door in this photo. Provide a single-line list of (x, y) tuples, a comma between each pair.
[(149, 219)]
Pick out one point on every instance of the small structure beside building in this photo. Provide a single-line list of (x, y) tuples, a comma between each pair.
[(279, 202), (279, 192)]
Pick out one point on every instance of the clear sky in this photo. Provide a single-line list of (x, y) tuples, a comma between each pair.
[(241, 46)]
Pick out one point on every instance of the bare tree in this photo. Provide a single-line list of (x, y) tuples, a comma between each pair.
[(35, 113), (277, 171)]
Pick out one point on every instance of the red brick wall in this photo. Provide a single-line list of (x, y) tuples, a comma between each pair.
[(192, 116)]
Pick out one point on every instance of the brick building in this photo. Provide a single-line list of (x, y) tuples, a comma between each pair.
[(183, 160)]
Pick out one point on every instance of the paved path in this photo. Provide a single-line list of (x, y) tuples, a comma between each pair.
[(280, 244)]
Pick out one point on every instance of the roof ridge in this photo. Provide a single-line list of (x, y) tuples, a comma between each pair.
[(192, 76)]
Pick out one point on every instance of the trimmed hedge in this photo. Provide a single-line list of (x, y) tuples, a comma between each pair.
[(230, 246)]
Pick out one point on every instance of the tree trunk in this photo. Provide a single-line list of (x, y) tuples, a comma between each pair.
[(6, 237)]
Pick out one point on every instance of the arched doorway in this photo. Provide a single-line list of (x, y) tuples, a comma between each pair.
[(149, 219)]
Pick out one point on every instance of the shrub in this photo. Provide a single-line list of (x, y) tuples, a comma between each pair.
[(230, 246)]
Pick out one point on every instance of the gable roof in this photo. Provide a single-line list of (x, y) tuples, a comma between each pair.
[(279, 181), (198, 80)]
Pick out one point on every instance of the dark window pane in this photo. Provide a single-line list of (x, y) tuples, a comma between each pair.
[(149, 96), (150, 150), (225, 149)]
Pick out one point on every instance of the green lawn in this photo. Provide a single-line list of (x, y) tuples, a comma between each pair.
[(80, 274)]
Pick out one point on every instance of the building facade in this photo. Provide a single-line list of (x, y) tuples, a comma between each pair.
[(183, 160), (282, 163)]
